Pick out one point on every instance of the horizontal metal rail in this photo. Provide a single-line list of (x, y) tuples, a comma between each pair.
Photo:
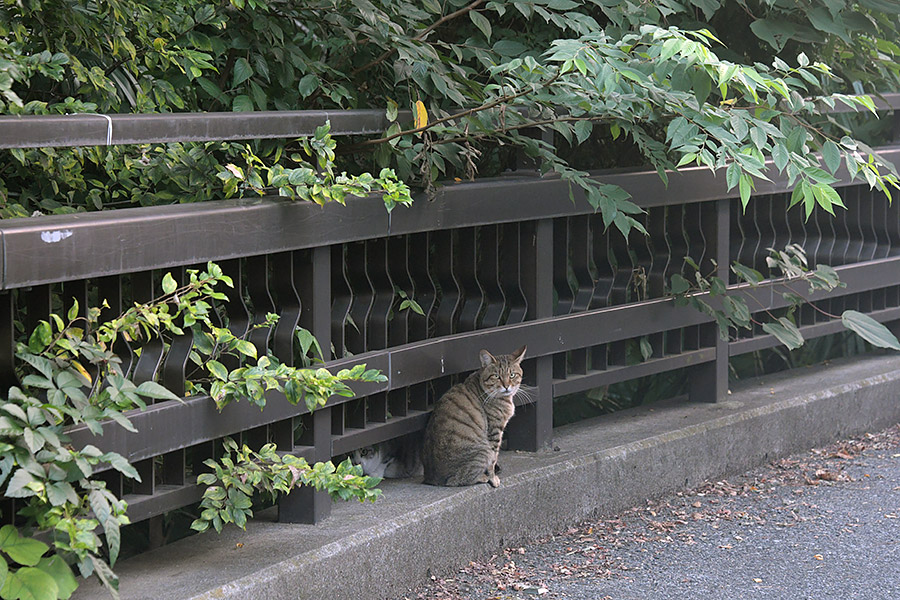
[(196, 420), (95, 129), (60, 248), (90, 129)]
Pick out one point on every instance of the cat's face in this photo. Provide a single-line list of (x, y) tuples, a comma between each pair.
[(501, 375), (369, 458)]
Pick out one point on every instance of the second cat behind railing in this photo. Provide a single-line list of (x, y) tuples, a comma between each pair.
[(462, 440)]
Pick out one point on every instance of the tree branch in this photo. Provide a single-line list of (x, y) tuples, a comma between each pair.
[(384, 55)]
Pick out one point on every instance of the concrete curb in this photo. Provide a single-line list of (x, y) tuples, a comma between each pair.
[(603, 466)]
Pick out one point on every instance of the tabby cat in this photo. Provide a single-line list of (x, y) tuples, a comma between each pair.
[(462, 440), (398, 458)]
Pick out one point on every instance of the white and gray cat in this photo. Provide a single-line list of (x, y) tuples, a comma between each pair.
[(398, 458)]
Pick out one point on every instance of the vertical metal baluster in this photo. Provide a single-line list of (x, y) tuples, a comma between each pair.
[(110, 292), (881, 212), (516, 307), (580, 259), (236, 313), (173, 370), (343, 300), (287, 305), (676, 249), (361, 295), (600, 250), (709, 381), (152, 350), (313, 282), (377, 325), (419, 259), (867, 213), (418, 253), (694, 248), (561, 284), (470, 289), (532, 427), (7, 342), (396, 263), (258, 290), (399, 329), (489, 269), (564, 295), (657, 259), (855, 247), (448, 309)]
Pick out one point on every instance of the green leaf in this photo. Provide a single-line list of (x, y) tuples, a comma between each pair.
[(30, 583), (646, 348), (242, 103), (217, 370), (780, 155), (121, 464), (870, 330), (308, 84), (751, 276), (73, 310), (679, 284), (57, 568), (60, 492), (242, 72), (17, 487), (744, 187), (25, 551), (481, 22), (832, 156), (246, 348), (786, 333), (168, 283), (151, 389)]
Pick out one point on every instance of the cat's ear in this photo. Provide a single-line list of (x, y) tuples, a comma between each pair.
[(518, 354), (486, 358)]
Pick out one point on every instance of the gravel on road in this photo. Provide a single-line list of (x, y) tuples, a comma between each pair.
[(820, 525)]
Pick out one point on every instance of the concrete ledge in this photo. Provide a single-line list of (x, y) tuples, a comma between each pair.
[(602, 466)]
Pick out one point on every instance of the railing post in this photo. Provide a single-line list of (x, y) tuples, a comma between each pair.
[(306, 505), (709, 381), (531, 428)]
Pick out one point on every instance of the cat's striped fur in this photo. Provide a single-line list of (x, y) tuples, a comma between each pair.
[(462, 440)]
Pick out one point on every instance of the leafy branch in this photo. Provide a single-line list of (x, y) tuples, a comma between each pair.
[(712, 296)]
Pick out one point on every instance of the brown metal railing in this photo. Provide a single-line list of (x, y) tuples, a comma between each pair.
[(496, 263)]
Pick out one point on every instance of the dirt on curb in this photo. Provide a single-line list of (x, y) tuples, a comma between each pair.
[(780, 495)]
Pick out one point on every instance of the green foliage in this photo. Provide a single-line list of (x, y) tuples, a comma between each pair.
[(71, 375), (710, 295), (242, 473)]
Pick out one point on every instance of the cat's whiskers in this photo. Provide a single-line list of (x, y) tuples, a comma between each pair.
[(526, 393)]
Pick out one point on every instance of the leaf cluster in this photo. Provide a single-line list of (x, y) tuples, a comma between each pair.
[(71, 374), (242, 473), (728, 306)]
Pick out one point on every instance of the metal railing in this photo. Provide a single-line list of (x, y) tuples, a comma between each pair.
[(496, 264)]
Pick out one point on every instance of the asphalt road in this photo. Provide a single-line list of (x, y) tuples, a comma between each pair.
[(821, 525)]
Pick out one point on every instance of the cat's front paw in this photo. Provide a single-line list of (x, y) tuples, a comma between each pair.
[(494, 481)]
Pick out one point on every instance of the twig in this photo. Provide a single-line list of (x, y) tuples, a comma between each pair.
[(384, 55)]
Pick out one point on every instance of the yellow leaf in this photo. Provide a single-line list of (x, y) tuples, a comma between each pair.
[(83, 371), (421, 115)]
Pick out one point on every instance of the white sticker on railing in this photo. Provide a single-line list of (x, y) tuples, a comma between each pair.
[(51, 237)]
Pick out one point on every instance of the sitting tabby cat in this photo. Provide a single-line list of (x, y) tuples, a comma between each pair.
[(462, 440), (398, 458)]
